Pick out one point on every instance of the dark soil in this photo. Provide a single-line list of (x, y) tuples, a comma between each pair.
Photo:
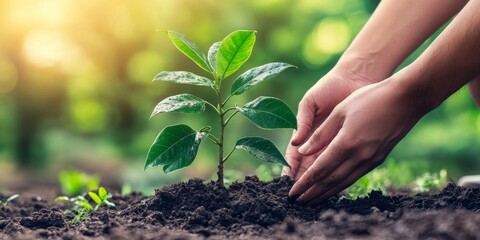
[(251, 210)]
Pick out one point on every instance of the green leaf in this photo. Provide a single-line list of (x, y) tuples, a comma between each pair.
[(95, 197), (183, 103), (85, 204), (175, 147), (256, 75), (269, 113), (212, 55), (61, 199), (102, 193), (189, 48), (183, 77), (261, 149), (11, 198), (234, 51)]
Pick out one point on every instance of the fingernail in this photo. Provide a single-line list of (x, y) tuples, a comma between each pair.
[(293, 198), (304, 148)]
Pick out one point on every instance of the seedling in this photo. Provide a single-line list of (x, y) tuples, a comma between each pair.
[(101, 198), (8, 200), (82, 207), (176, 146)]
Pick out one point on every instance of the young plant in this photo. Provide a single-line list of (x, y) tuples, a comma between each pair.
[(82, 207), (8, 200), (176, 146), (101, 198)]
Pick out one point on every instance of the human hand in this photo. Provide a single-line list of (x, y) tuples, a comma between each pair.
[(317, 104), (355, 138)]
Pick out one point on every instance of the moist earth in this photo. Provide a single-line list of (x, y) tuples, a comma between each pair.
[(251, 210)]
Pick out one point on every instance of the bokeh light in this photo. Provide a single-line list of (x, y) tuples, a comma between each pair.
[(76, 77), (8, 76)]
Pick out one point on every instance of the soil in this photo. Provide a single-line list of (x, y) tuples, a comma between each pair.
[(251, 210)]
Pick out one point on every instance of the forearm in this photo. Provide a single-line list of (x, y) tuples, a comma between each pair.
[(474, 86), (450, 62), (393, 32)]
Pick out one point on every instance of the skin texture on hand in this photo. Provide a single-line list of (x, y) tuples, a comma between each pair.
[(362, 130), (356, 137), (314, 108), (372, 56)]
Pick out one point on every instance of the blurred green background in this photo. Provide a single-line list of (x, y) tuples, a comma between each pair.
[(75, 81)]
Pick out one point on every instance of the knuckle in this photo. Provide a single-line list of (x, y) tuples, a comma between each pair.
[(332, 180), (302, 169), (349, 145), (366, 154)]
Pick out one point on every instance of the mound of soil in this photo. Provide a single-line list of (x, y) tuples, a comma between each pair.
[(252, 210)]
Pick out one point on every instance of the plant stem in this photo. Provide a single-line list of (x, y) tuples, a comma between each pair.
[(213, 139), (228, 155), (220, 141), (226, 100), (228, 119), (211, 105)]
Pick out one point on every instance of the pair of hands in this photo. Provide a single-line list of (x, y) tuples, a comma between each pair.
[(347, 126)]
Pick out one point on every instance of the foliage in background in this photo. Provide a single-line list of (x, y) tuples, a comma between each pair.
[(176, 146), (393, 175), (73, 182), (267, 173), (429, 181)]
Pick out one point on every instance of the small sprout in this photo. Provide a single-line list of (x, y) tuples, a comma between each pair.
[(375, 180), (176, 146), (81, 207), (430, 181), (9, 199), (101, 198)]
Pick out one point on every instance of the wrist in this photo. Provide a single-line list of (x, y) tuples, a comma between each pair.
[(362, 67), (417, 89)]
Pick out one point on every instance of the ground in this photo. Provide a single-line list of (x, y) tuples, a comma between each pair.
[(251, 210)]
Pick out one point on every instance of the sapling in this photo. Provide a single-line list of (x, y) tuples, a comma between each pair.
[(176, 146)]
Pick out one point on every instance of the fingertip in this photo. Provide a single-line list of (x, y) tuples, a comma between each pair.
[(286, 171), (304, 148), (292, 198)]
